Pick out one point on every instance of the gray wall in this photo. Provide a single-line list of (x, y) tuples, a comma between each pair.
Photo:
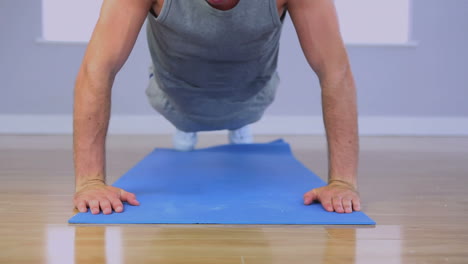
[(427, 80)]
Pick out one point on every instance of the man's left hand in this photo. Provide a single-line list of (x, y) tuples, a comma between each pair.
[(337, 196)]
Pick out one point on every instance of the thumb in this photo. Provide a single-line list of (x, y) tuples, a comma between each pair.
[(310, 197), (128, 197)]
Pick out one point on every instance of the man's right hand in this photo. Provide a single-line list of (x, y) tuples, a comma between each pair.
[(101, 197)]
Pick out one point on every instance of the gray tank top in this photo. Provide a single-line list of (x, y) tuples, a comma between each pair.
[(214, 69)]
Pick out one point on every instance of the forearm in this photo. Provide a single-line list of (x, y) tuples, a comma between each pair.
[(340, 119), (90, 122)]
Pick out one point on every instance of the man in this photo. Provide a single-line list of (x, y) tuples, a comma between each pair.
[(214, 68)]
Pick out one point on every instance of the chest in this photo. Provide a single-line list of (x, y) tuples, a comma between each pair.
[(196, 31), (222, 5)]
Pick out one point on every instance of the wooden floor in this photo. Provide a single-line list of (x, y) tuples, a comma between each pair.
[(415, 188)]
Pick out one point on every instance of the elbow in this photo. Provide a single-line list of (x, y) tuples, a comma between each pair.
[(338, 84), (337, 77), (93, 82), (334, 73), (98, 71)]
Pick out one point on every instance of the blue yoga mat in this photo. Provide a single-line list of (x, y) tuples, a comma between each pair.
[(229, 184)]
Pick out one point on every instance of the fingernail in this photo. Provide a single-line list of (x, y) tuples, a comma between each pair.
[(119, 208)]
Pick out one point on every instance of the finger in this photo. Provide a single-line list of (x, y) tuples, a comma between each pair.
[(347, 205), (81, 206), (310, 197), (105, 206), (129, 198), (117, 205), (337, 204), (94, 206), (356, 204), (327, 203)]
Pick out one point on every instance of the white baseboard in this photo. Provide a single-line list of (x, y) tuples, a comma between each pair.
[(269, 125)]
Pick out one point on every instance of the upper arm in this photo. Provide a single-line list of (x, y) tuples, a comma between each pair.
[(114, 36), (316, 24)]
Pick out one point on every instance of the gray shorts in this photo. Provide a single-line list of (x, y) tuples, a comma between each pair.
[(209, 114)]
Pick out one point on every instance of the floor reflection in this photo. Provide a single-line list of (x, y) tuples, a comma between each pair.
[(382, 241), (60, 244), (114, 250), (90, 244), (343, 249), (381, 244), (101, 244), (116, 244), (196, 244), (212, 244), (84, 244)]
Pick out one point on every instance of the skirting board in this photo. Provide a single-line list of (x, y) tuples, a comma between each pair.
[(269, 125)]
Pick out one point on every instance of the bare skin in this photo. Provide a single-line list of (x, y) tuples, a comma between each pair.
[(113, 39)]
